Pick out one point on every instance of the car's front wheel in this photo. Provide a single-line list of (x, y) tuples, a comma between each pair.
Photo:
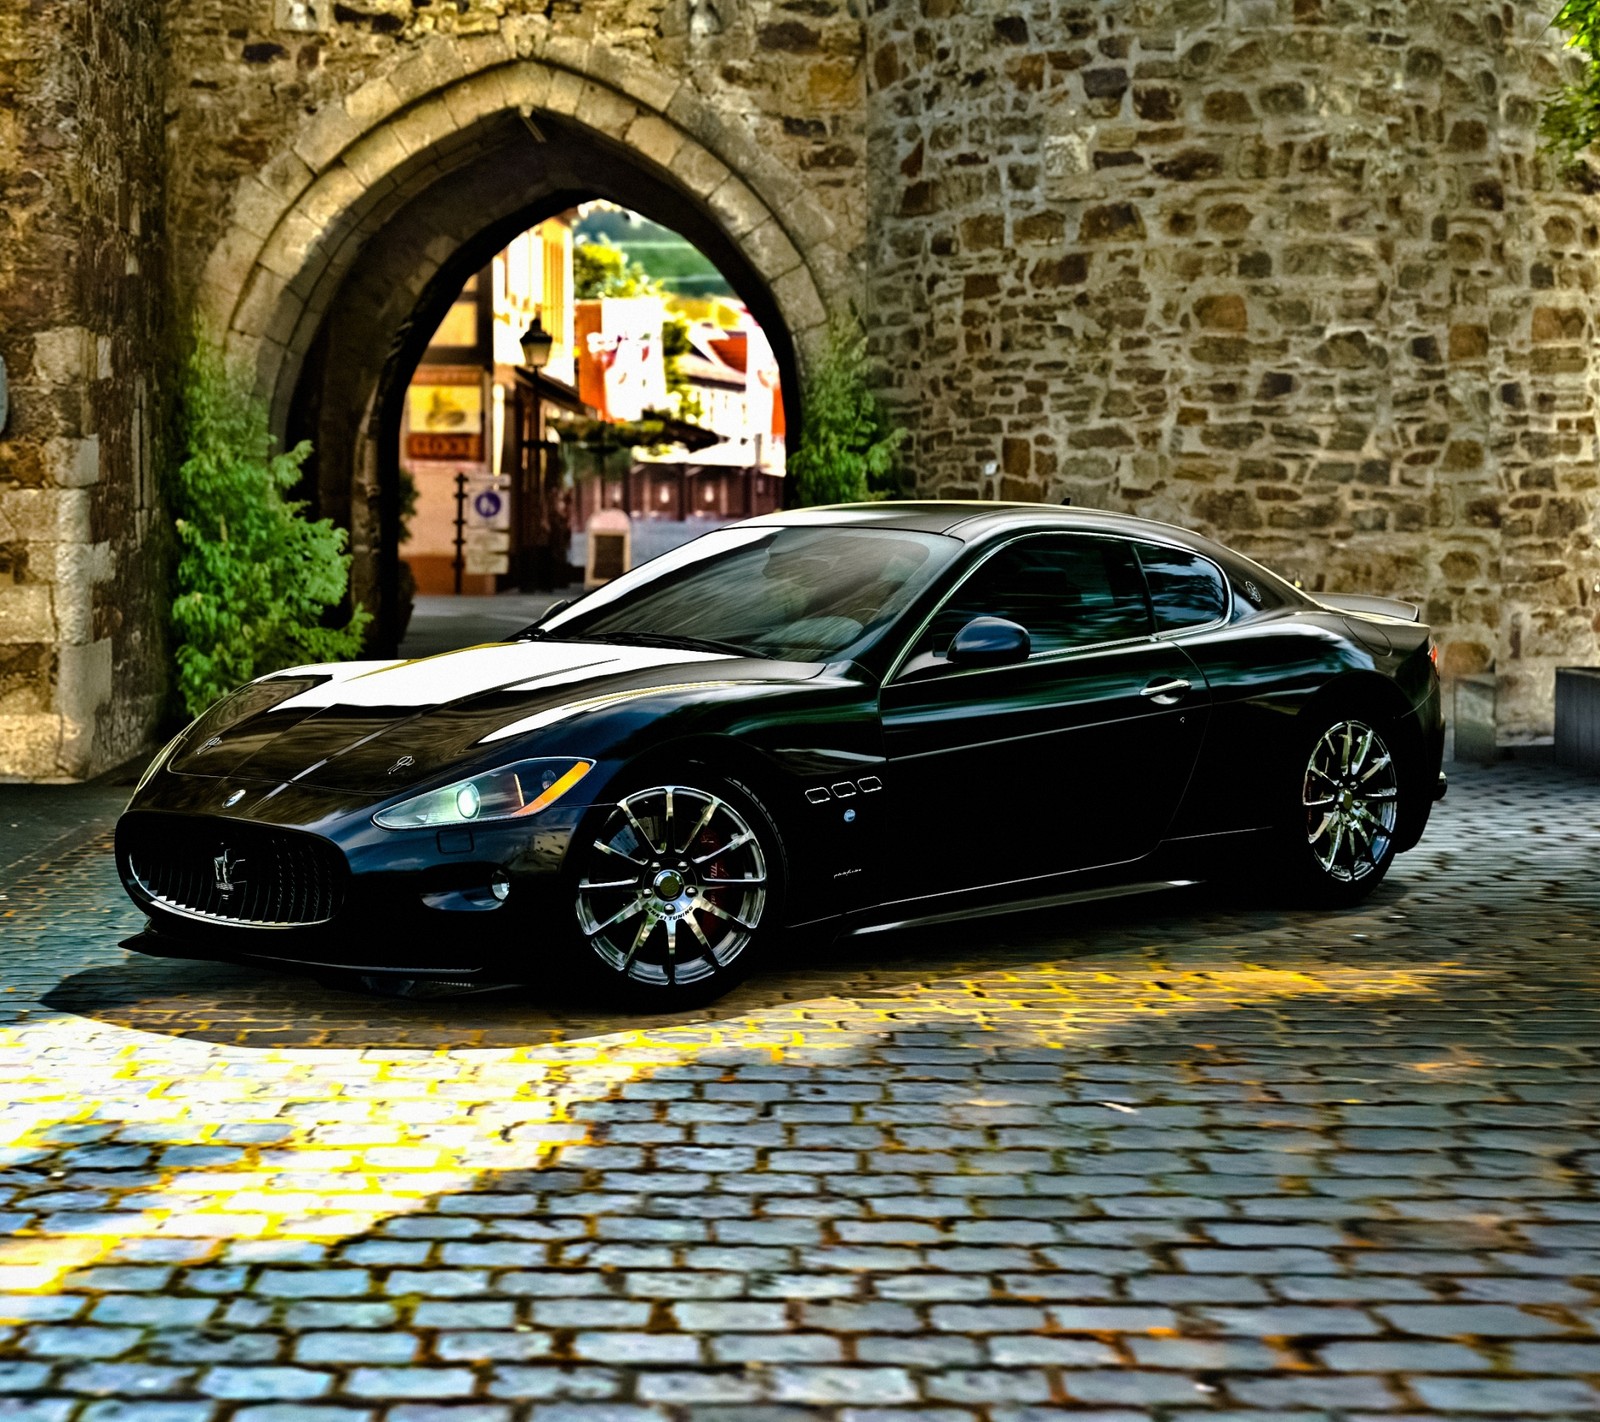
[(1341, 836), (678, 890)]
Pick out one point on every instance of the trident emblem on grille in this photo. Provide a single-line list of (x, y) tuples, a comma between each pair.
[(225, 865)]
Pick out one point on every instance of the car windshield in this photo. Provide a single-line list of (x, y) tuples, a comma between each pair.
[(791, 594)]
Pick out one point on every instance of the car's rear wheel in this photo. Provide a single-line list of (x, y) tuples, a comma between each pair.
[(1341, 837), (678, 890)]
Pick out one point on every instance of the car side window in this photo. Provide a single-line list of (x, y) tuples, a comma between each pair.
[(1186, 590), (1068, 592)]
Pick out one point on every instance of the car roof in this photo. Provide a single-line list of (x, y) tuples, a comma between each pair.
[(972, 519)]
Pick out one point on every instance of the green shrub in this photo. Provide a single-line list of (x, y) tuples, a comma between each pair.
[(255, 577), (1570, 123), (848, 450)]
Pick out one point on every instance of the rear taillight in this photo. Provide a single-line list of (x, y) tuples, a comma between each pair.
[(1433, 651)]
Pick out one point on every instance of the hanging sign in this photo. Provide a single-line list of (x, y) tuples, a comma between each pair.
[(444, 409)]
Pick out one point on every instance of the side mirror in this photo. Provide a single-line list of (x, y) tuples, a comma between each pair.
[(990, 642)]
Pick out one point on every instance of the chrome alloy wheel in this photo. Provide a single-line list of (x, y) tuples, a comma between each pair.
[(1351, 799), (676, 889)]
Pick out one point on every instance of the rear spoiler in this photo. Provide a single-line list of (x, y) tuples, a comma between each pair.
[(1371, 606)]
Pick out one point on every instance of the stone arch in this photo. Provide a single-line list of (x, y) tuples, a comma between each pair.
[(352, 240)]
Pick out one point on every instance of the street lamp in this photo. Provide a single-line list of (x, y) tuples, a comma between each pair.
[(534, 497), (537, 343)]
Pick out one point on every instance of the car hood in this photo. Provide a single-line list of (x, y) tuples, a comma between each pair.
[(376, 727)]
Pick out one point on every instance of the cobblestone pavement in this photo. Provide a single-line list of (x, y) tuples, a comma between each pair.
[(1167, 1160)]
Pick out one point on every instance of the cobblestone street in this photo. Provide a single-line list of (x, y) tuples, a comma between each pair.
[(1160, 1159)]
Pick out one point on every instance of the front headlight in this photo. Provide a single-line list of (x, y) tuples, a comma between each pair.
[(507, 793)]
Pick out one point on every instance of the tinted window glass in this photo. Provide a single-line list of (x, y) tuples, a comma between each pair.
[(796, 594), (1068, 592), (1185, 589)]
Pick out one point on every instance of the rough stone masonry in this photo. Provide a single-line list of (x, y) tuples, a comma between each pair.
[(1290, 271)]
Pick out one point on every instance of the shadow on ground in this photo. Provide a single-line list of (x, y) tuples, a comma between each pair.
[(251, 1007)]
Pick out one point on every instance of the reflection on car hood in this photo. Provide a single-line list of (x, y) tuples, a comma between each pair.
[(380, 726)]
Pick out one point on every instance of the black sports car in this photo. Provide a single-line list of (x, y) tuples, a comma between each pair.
[(857, 717)]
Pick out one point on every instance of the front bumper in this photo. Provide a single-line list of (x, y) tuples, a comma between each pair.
[(421, 902)]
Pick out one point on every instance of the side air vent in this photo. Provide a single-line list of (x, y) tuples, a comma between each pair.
[(844, 790)]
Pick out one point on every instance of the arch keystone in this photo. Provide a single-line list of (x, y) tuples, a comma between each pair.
[(527, 85)]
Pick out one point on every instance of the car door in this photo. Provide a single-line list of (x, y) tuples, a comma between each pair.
[(1074, 758)]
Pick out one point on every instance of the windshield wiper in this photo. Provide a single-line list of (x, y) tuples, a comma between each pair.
[(664, 639)]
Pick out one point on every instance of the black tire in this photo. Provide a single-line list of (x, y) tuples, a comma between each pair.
[(692, 895), (1342, 810)]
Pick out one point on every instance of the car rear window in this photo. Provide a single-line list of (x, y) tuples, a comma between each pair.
[(1186, 590)]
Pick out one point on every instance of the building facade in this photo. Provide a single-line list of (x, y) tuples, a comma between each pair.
[(462, 432), (1292, 271)]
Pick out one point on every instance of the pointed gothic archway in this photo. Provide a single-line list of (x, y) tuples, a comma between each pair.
[(348, 249)]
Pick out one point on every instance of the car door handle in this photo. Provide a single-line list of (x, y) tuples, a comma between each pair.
[(1167, 693)]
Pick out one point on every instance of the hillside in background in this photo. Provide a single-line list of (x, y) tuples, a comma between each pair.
[(672, 260)]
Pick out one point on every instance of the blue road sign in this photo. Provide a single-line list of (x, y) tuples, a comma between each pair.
[(486, 504)]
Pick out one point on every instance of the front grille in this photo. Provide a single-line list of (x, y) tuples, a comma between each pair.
[(231, 872)]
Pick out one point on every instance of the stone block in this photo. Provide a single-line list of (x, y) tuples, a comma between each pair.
[(287, 251), (641, 81), (27, 613), (770, 250), (28, 747), (27, 515), (339, 193), (372, 159), (61, 356), (1559, 323), (303, 16), (654, 139), (799, 301), (526, 85), (603, 109), (1113, 222), (567, 52), (566, 92), (255, 309), (460, 107), (739, 209), (83, 687), (326, 136), (1472, 717), (370, 104), (413, 78), (699, 171)]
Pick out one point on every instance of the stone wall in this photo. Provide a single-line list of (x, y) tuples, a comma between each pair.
[(81, 297), (1290, 271), (784, 77)]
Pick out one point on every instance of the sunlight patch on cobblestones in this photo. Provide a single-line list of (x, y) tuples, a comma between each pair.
[(320, 1146), (1173, 1160)]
